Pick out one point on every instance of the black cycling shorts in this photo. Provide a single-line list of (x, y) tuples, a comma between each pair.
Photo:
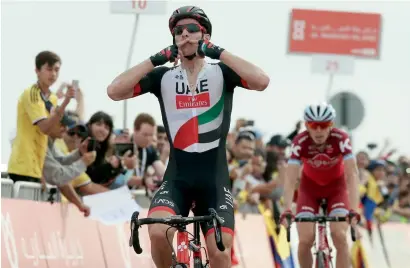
[(199, 191)]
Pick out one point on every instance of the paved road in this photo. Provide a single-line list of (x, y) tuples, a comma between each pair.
[(397, 238)]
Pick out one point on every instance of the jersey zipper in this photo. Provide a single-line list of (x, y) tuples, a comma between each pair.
[(193, 92)]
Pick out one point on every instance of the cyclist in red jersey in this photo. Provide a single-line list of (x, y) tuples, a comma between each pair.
[(328, 171)]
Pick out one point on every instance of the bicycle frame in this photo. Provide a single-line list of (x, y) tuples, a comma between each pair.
[(184, 245), (323, 246)]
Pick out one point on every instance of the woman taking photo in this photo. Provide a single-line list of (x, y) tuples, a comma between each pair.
[(107, 165)]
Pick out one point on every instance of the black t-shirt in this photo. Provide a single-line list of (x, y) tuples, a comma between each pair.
[(150, 155)]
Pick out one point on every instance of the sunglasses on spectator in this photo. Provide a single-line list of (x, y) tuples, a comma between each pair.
[(191, 28), (322, 125), (77, 132)]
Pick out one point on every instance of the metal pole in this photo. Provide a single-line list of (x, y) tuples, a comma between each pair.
[(329, 87), (130, 51)]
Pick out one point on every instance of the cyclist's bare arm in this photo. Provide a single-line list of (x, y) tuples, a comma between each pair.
[(291, 179), (123, 85), (352, 178), (252, 74)]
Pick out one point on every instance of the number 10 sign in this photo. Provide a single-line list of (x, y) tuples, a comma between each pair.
[(139, 7)]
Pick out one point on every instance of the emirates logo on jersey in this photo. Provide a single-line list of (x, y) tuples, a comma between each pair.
[(322, 161), (197, 101)]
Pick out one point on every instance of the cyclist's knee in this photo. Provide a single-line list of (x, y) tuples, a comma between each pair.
[(338, 232), (306, 232), (157, 232), (215, 255)]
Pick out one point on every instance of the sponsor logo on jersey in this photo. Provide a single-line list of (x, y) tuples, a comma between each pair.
[(185, 99), (345, 145), (329, 149), (295, 149), (164, 202), (197, 101), (322, 161)]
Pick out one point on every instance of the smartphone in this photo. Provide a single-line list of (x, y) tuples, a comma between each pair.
[(92, 145), (122, 148), (75, 84)]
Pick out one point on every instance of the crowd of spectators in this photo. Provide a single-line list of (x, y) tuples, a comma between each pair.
[(89, 156)]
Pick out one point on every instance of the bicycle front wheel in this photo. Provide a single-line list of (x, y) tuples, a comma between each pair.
[(197, 262), (321, 260)]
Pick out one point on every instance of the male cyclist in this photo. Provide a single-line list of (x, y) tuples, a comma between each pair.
[(329, 171), (196, 103)]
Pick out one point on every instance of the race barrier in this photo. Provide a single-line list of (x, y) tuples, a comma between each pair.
[(44, 235)]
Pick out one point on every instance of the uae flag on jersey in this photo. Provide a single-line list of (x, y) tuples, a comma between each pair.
[(204, 129)]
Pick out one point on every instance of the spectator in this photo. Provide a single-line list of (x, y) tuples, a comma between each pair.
[(362, 159), (253, 176), (60, 170), (34, 121), (144, 130), (71, 141), (242, 152), (163, 145), (106, 166), (277, 144), (127, 177)]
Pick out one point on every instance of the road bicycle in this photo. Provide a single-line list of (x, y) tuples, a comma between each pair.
[(323, 251), (185, 244)]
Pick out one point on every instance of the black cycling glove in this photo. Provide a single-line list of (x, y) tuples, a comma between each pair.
[(167, 54), (206, 48)]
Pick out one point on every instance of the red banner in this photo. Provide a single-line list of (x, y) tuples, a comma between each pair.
[(331, 32), (41, 235)]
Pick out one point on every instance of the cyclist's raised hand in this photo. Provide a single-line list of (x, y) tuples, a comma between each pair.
[(168, 54), (206, 48)]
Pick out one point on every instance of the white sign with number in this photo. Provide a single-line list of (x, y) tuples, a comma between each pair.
[(150, 7), (332, 64)]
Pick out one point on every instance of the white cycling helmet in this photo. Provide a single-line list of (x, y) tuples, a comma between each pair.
[(322, 112)]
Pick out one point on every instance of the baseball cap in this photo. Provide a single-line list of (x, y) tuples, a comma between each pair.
[(72, 121), (252, 130), (279, 140), (375, 164)]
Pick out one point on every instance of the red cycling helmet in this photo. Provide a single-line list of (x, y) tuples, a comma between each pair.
[(190, 12)]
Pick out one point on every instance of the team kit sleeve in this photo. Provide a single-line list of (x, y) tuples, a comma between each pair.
[(150, 82), (345, 146), (34, 106), (232, 79), (295, 153)]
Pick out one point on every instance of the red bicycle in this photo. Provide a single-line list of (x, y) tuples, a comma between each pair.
[(185, 244), (323, 250)]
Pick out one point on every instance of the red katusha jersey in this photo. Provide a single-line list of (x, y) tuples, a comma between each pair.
[(324, 164)]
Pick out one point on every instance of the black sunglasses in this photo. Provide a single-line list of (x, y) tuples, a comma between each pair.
[(80, 133), (191, 28)]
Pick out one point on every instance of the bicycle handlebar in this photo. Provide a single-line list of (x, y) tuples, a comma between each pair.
[(320, 219), (175, 221)]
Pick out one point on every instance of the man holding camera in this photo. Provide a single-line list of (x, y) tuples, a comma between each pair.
[(34, 122), (60, 169)]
